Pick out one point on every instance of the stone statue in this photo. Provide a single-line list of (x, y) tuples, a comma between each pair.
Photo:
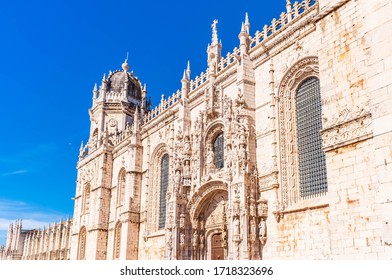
[(236, 226), (262, 231), (195, 239)]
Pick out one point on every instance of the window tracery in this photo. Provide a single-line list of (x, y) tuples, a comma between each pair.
[(121, 187), (302, 173), (117, 240), (82, 244), (86, 199)]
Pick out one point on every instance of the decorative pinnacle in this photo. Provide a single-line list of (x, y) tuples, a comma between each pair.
[(184, 76), (214, 32), (188, 70), (247, 23), (125, 65), (242, 27)]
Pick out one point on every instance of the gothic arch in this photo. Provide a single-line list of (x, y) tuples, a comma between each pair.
[(121, 185), (196, 202), (82, 243), (208, 209), (287, 123), (117, 240), (86, 200), (158, 154)]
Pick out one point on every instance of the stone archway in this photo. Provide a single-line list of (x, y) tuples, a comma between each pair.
[(210, 226)]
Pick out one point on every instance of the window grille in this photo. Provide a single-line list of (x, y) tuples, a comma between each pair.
[(312, 166), (163, 189), (218, 151)]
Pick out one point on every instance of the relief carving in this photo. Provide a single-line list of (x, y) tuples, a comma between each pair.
[(347, 133)]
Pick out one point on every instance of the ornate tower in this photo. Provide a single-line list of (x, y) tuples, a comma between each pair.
[(107, 185)]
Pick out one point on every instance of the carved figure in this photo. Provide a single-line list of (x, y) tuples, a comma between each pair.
[(236, 226)]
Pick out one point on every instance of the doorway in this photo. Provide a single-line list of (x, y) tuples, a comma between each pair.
[(217, 250)]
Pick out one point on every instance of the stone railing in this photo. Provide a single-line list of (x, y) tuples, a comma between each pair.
[(294, 12), (198, 81), (230, 59), (114, 96), (164, 105), (112, 139)]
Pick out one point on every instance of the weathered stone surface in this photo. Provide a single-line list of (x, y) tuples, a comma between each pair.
[(250, 206)]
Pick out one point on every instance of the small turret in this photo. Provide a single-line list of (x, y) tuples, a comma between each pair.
[(244, 35), (185, 81), (188, 71), (247, 23)]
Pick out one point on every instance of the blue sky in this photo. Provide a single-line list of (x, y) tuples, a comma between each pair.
[(52, 53)]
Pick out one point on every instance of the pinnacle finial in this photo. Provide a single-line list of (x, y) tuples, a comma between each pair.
[(214, 32), (184, 76), (136, 114), (242, 27), (188, 70), (247, 23), (125, 65)]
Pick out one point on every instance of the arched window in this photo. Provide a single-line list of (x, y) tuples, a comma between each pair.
[(164, 182), (311, 158), (117, 241), (121, 187), (218, 151), (86, 199), (82, 244)]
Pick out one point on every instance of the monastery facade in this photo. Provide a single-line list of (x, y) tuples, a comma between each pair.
[(282, 149)]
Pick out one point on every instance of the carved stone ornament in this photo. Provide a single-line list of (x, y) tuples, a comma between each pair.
[(306, 67), (347, 133), (112, 122)]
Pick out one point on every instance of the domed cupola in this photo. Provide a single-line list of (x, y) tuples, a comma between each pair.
[(120, 81), (121, 86)]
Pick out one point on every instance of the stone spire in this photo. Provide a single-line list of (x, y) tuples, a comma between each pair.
[(214, 32), (188, 71), (244, 35), (95, 91), (185, 81), (214, 50), (247, 23)]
